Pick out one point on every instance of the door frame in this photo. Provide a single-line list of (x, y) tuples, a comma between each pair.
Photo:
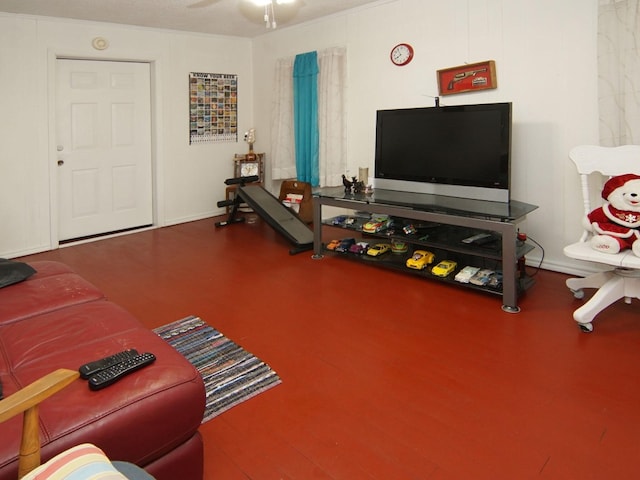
[(157, 190)]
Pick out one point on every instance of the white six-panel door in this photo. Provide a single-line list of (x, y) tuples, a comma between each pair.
[(103, 121)]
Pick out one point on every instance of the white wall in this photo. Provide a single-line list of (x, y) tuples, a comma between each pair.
[(188, 179), (545, 53)]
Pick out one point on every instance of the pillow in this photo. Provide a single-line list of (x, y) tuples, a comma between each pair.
[(13, 272), (84, 461)]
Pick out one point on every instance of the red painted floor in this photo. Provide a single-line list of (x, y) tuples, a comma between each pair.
[(386, 376)]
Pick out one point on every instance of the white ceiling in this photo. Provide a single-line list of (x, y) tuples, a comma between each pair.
[(223, 17)]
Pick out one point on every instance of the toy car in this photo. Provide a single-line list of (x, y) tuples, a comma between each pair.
[(378, 249), (359, 248), (482, 277), (345, 244), (398, 246), (333, 244), (444, 268), (495, 281), (339, 220), (377, 224), (409, 229), (420, 259), (464, 275)]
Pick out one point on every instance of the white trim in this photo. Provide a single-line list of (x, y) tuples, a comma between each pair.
[(157, 158), (104, 237)]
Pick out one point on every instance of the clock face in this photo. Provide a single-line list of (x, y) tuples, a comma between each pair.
[(249, 169), (401, 54)]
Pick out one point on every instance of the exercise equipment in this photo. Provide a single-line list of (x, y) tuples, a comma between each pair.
[(268, 207)]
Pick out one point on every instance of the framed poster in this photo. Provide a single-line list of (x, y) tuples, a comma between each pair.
[(213, 108), (467, 78)]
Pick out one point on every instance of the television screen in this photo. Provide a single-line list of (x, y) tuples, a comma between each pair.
[(455, 150)]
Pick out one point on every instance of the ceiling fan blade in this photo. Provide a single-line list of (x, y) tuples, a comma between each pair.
[(202, 3)]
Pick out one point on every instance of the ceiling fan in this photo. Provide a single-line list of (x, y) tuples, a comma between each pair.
[(269, 8)]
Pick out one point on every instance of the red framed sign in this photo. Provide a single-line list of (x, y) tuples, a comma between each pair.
[(467, 78)]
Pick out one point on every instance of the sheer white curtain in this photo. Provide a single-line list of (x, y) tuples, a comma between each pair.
[(619, 71), (331, 122), (332, 115), (282, 156)]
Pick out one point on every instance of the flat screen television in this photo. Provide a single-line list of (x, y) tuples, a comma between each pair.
[(460, 151)]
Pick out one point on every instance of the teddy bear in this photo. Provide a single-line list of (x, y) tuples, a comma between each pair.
[(616, 224)]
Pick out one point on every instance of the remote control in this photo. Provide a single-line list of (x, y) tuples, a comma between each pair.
[(90, 368), (116, 372), (486, 240), (475, 238)]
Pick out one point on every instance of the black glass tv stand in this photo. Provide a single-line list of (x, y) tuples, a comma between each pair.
[(447, 221)]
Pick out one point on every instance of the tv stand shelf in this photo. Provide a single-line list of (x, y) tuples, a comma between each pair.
[(441, 222)]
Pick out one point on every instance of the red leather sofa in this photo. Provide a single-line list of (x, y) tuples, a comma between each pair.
[(56, 319)]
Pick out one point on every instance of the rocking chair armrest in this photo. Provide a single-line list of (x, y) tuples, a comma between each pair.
[(36, 392), (27, 400)]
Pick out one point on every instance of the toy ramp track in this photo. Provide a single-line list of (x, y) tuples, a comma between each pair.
[(279, 217)]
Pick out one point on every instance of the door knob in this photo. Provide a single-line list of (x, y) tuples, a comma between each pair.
[(60, 163)]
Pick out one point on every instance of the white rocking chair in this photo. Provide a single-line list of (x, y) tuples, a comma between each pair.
[(623, 281)]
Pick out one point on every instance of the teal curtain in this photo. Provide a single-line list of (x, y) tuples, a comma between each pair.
[(305, 114)]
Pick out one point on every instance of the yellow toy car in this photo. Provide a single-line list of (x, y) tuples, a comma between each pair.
[(420, 259), (378, 249), (444, 268)]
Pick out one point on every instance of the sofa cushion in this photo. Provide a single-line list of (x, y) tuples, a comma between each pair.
[(54, 286)]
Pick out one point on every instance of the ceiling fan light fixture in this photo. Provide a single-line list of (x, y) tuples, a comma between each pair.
[(269, 10)]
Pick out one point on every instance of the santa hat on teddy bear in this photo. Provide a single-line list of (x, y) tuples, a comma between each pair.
[(616, 182)]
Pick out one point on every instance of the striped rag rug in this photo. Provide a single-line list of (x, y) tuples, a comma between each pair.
[(231, 374)]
